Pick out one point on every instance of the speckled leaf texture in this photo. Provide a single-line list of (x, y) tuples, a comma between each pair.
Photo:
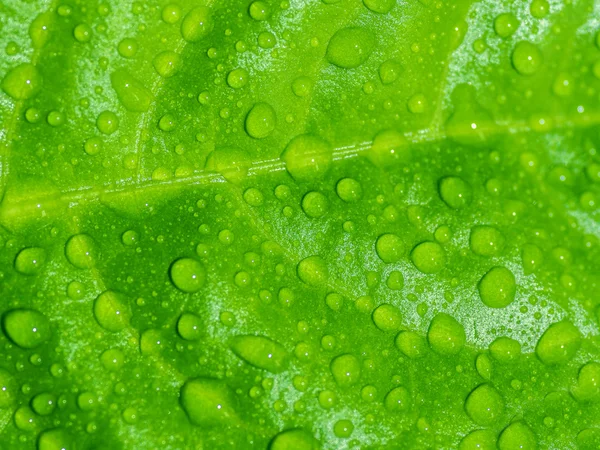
[(299, 224)]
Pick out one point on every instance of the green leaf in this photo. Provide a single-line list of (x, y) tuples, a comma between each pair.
[(332, 224)]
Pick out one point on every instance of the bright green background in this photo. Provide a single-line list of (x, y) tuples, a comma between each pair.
[(531, 165)]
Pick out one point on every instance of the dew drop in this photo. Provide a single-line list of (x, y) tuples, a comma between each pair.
[(350, 47), (187, 274), (27, 328)]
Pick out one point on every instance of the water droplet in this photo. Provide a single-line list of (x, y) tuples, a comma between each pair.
[(8, 389), (167, 63), (151, 342), (44, 403), (389, 71), (387, 318), (261, 121), (171, 13), (237, 78), (349, 190), (260, 352), (350, 47), (253, 197), (506, 24), (128, 48), (107, 122), (478, 440), (302, 86), (207, 402), (312, 271), (197, 23), (558, 344), (588, 383), (82, 33), (231, 163), (446, 336), (380, 6), (30, 260), (315, 204), (40, 29), (22, 82), (486, 240), (455, 192), (398, 399), (294, 439), (484, 405), (411, 344), (132, 94), (417, 104), (345, 370), (55, 439), (187, 274), (497, 288), (81, 251), (429, 257), (266, 39), (532, 257), (27, 328), (505, 349), (517, 436), (112, 359), (389, 248), (395, 280), (307, 157), (112, 311), (526, 58), (539, 8), (87, 401)]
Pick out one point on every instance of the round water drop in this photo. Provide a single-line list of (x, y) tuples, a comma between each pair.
[(302, 86), (350, 47), (526, 58), (315, 204), (197, 24), (8, 389), (398, 399), (40, 29), (411, 344), (44, 403), (588, 383), (171, 13), (112, 311), (455, 192), (128, 48), (253, 197), (81, 251), (30, 260), (479, 440), (389, 147), (505, 25), (151, 342), (261, 352), (207, 402), (345, 370), (505, 349), (387, 317), (189, 326), (446, 335), (517, 436), (167, 123), (380, 6), (389, 71), (82, 33), (167, 63), (107, 122), (112, 359), (92, 146), (261, 121), (395, 280), (55, 118), (259, 10), (389, 248), (27, 328), (232, 163), (312, 271), (343, 428), (87, 401), (130, 238), (307, 157), (132, 94), (486, 240), (55, 439), (429, 257), (349, 190), (294, 439), (532, 257), (588, 439), (558, 344), (266, 39), (26, 419), (417, 104), (188, 275), (497, 288), (484, 405), (22, 82), (539, 8), (237, 78)]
